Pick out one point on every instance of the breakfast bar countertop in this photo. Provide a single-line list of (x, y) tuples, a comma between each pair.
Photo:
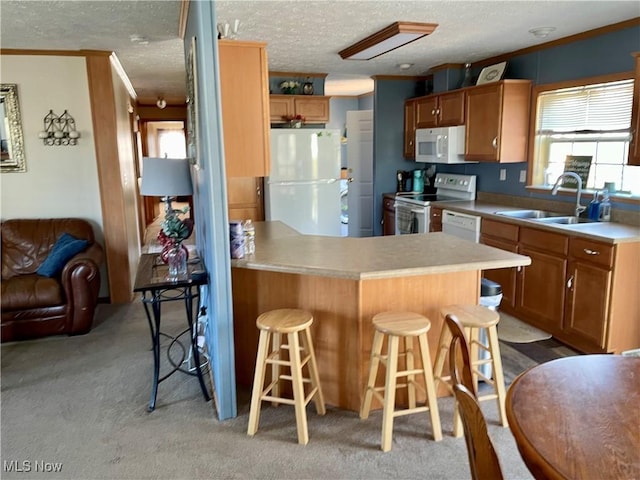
[(280, 248)]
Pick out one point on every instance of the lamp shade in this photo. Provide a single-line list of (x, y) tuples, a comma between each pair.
[(166, 177)]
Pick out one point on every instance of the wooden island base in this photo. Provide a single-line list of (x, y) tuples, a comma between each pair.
[(342, 308)]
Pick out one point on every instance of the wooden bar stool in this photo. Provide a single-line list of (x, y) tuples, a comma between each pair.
[(398, 325), (473, 318), (272, 326)]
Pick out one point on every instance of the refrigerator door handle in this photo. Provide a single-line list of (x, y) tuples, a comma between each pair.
[(322, 181)]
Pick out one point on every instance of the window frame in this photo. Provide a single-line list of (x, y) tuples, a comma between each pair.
[(533, 112)]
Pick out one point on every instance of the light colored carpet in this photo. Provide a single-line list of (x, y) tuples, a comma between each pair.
[(510, 329), (81, 401)]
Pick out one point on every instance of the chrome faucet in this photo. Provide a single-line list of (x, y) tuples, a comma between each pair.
[(579, 208)]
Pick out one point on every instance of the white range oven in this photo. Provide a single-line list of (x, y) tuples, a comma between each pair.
[(413, 210)]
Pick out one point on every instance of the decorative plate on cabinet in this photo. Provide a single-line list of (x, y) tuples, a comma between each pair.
[(492, 73)]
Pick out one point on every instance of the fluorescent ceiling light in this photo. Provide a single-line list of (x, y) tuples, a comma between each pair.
[(387, 39)]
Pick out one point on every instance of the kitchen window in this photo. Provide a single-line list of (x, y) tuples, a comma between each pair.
[(592, 120)]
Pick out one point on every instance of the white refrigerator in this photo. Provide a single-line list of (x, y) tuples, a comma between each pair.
[(303, 188)]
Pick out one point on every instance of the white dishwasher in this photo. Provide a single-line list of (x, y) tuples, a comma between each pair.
[(467, 227), (461, 225)]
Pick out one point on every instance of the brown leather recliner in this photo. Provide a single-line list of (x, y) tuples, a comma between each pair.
[(37, 306)]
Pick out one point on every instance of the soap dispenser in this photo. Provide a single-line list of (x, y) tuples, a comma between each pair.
[(594, 207), (605, 207)]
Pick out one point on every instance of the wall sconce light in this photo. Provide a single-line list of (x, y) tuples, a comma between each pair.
[(161, 103), (394, 36), (59, 130)]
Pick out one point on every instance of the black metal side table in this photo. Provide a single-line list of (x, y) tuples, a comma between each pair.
[(156, 287)]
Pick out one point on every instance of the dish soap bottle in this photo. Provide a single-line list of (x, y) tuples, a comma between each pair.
[(605, 207), (594, 207)]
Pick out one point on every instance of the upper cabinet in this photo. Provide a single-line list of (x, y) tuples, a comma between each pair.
[(244, 86), (409, 150), (497, 123), (634, 144), (441, 110), (314, 108)]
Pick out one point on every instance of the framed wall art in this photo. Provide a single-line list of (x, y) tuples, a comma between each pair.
[(192, 105)]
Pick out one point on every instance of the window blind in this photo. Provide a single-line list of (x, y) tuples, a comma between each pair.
[(598, 108)]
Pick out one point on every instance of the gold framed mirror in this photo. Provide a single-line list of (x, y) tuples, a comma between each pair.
[(11, 140)]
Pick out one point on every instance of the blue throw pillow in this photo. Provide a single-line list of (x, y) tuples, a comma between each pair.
[(65, 247)]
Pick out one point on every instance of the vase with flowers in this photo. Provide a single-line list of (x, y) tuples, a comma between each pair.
[(295, 121), (288, 87), (174, 231)]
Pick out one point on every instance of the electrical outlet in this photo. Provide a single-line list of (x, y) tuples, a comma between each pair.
[(523, 176), (503, 174)]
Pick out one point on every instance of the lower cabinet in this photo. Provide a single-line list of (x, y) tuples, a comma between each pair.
[(244, 198), (540, 293), (388, 215), (589, 280), (577, 289), (435, 220)]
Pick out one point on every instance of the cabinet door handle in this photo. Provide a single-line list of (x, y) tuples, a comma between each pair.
[(570, 283), (258, 191), (495, 142), (433, 112), (588, 251)]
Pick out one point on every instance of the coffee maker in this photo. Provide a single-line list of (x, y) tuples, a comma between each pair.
[(404, 180)]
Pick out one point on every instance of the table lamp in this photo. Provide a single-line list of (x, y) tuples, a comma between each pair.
[(166, 178)]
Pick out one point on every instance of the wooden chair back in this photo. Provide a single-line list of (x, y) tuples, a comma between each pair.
[(483, 459), (459, 344)]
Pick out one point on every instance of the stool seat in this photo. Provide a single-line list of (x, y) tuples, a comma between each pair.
[(410, 327), (296, 355), (406, 324), (285, 320), (472, 316)]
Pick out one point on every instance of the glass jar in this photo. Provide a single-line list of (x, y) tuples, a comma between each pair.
[(177, 261)]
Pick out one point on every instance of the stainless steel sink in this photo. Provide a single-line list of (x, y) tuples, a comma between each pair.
[(565, 220), (530, 214)]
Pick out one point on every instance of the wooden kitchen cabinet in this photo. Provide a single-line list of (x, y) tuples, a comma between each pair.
[(540, 293), (245, 198), (314, 108), (388, 215), (435, 220), (497, 121), (409, 150), (576, 288), (244, 88), (441, 110), (505, 237), (634, 144)]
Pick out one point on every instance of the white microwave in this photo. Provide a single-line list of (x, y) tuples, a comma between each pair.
[(440, 145)]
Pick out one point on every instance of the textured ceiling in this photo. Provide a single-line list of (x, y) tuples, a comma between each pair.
[(302, 36)]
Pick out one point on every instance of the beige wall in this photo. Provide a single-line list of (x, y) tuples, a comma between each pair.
[(60, 181)]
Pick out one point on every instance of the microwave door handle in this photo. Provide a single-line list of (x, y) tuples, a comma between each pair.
[(439, 146)]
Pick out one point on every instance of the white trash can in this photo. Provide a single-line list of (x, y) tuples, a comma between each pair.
[(490, 297)]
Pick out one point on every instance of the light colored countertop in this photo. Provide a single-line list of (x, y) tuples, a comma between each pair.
[(606, 232), (279, 248)]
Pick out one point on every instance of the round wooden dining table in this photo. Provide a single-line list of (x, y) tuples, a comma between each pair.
[(578, 417)]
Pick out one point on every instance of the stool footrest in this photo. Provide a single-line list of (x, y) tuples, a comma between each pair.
[(409, 411)]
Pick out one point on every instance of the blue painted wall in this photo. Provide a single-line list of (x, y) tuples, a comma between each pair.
[(338, 108), (388, 139), (210, 204), (605, 54)]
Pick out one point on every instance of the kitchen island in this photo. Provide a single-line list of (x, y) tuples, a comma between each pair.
[(343, 282)]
